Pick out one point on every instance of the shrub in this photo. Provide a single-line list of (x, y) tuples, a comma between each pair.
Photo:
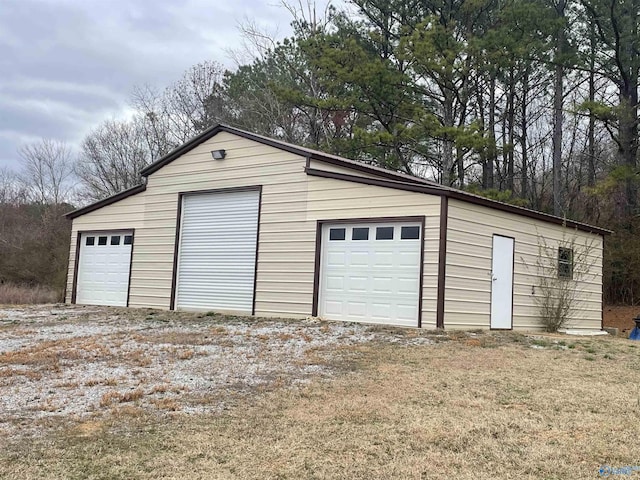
[(558, 292), (12, 294)]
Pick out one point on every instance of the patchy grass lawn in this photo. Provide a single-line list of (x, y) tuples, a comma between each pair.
[(142, 394)]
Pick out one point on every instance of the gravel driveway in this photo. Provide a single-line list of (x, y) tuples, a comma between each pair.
[(61, 362)]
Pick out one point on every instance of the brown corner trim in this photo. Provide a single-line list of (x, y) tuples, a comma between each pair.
[(316, 269), (255, 271), (176, 246), (442, 261), (74, 287), (133, 245), (602, 287), (107, 201), (421, 279), (318, 253)]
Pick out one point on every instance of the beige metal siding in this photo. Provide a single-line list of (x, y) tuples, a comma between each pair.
[(292, 203), (127, 213), (334, 200), (468, 270), (247, 164)]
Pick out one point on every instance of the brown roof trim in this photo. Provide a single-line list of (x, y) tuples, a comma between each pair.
[(107, 201), (287, 147), (376, 181), (388, 178), (462, 196)]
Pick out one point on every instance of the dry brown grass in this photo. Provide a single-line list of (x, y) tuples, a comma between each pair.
[(138, 358), (112, 397), (166, 404), (485, 409), (11, 294), (179, 338), (160, 389), (109, 382), (47, 354), (6, 372), (185, 354)]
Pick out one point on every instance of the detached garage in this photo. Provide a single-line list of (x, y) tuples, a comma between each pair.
[(236, 222)]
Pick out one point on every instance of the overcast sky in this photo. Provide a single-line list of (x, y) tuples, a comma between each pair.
[(67, 65)]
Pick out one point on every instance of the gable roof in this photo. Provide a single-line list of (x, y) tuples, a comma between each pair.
[(387, 178), (280, 145)]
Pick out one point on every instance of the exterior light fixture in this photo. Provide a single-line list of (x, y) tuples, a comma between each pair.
[(219, 154)]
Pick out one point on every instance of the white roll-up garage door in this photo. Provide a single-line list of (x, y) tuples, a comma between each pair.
[(103, 268), (217, 251), (371, 273)]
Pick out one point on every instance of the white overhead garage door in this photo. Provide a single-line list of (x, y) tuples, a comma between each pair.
[(103, 268), (371, 273), (217, 252)]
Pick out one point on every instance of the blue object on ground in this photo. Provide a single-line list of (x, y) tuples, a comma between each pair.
[(635, 333)]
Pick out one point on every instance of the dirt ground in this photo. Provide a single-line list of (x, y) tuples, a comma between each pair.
[(103, 393), (87, 362), (621, 318)]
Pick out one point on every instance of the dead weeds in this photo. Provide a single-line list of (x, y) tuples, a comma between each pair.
[(455, 410), (280, 400)]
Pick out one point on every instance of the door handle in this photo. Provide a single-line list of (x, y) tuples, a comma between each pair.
[(494, 278)]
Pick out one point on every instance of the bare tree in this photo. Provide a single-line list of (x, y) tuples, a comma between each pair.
[(47, 171), (184, 109), (12, 191), (111, 158)]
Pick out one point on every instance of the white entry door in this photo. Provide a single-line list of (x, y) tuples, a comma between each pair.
[(502, 283), (371, 273), (217, 252), (103, 268)]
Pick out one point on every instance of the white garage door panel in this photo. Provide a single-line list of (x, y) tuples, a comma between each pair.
[(103, 270), (217, 253), (370, 280)]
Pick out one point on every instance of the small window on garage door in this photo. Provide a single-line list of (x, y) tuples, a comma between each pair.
[(370, 273)]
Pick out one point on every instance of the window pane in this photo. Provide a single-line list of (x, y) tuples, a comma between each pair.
[(102, 240), (410, 233), (115, 240), (337, 234), (90, 241), (565, 263), (384, 233), (360, 234), (128, 239)]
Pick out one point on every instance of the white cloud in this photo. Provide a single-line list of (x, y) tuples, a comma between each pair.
[(70, 64)]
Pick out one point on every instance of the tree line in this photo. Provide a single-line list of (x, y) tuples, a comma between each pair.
[(532, 102)]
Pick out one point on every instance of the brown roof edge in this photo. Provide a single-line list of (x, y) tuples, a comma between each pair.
[(460, 195), (182, 149), (107, 201), (387, 178), (288, 147)]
